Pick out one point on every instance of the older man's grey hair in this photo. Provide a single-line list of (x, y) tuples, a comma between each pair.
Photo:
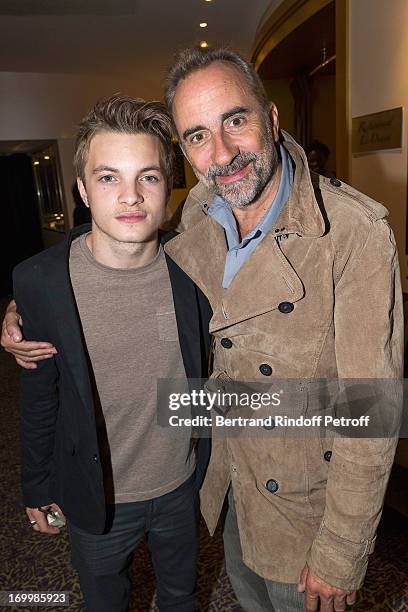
[(193, 59)]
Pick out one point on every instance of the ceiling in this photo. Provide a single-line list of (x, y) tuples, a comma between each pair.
[(116, 38)]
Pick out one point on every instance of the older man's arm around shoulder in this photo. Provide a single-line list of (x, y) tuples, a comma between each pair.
[(25, 353), (368, 321)]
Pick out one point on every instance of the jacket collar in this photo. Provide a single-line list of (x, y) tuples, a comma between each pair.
[(302, 214)]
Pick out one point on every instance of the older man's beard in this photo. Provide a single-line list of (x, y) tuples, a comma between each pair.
[(243, 192)]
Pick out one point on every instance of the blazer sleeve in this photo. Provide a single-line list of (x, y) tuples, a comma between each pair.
[(368, 321), (38, 393)]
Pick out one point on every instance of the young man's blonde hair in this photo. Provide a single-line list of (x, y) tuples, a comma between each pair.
[(123, 114)]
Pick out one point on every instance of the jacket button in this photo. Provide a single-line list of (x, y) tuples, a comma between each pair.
[(95, 458), (271, 426), (327, 455), (285, 307), (226, 342), (335, 182), (265, 369), (272, 486)]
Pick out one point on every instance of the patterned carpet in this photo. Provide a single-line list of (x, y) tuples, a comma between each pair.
[(31, 561)]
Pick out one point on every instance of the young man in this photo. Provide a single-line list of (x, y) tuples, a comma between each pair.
[(120, 315)]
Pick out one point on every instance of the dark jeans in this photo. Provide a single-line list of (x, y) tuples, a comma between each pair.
[(103, 562)]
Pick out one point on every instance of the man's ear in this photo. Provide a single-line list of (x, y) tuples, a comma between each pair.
[(82, 191), (274, 115)]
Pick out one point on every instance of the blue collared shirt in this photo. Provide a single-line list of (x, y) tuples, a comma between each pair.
[(238, 252)]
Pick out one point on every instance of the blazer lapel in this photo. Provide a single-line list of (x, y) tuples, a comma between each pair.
[(62, 303), (187, 317)]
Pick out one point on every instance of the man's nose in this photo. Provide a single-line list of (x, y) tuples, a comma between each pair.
[(224, 149), (131, 194)]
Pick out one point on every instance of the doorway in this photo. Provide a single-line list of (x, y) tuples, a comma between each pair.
[(31, 203), (299, 74)]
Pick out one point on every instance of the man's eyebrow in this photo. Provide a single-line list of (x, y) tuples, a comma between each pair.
[(192, 130), (104, 169), (229, 113), (148, 168), (234, 111)]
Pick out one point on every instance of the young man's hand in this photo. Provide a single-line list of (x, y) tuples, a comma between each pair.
[(38, 519), (317, 591), (25, 353)]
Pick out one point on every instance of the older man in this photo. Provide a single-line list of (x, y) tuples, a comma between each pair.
[(303, 279)]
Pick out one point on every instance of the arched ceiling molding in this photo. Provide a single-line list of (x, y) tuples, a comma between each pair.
[(287, 17)]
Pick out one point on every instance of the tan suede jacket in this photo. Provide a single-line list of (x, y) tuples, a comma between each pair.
[(339, 270)]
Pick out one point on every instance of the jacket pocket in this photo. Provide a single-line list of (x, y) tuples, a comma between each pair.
[(291, 498)]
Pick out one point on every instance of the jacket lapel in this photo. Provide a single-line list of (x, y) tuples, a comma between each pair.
[(187, 317), (62, 303), (200, 252), (264, 281)]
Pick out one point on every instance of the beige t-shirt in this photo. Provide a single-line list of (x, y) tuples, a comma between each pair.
[(130, 329)]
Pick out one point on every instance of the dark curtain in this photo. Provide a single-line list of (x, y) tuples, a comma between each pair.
[(300, 88), (20, 227)]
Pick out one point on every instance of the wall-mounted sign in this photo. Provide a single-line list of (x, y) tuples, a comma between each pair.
[(377, 131)]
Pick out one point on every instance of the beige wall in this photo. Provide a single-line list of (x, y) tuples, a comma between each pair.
[(379, 81), (49, 106), (179, 195)]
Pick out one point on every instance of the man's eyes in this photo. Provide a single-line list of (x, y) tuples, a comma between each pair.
[(196, 138), (150, 178), (236, 122)]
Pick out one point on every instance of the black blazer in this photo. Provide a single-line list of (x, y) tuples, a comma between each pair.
[(60, 456)]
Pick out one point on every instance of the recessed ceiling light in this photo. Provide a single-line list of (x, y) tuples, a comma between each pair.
[(46, 157), (36, 163), (203, 24), (203, 44)]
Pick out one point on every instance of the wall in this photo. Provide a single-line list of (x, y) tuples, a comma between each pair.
[(179, 195), (379, 81), (49, 106), (278, 91)]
